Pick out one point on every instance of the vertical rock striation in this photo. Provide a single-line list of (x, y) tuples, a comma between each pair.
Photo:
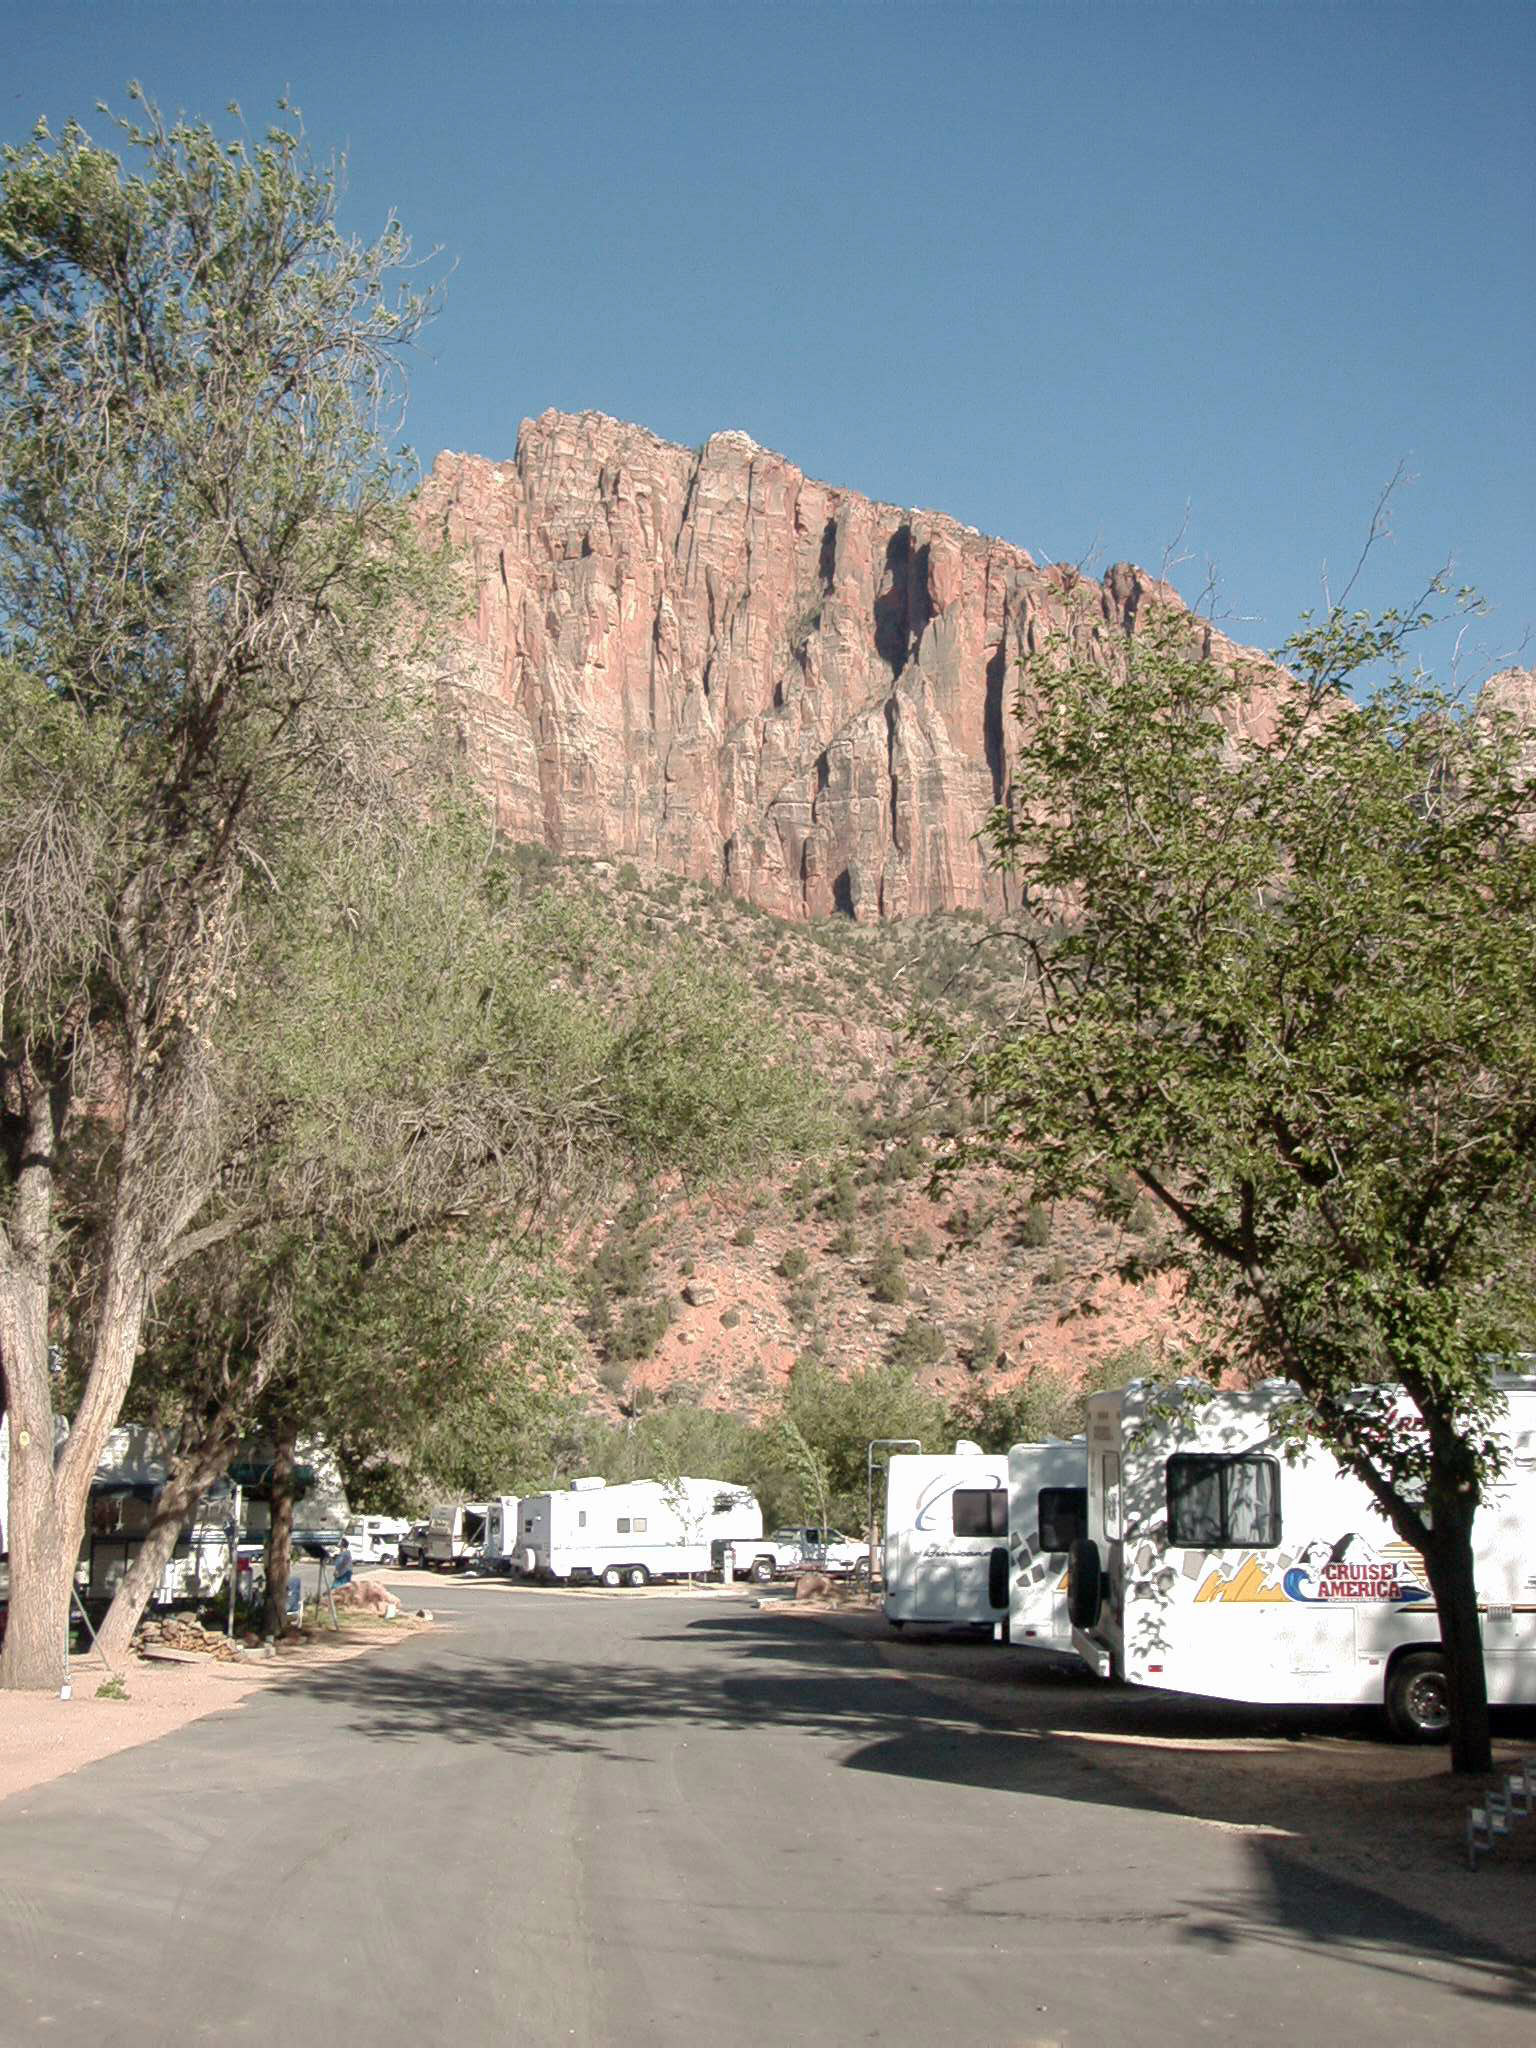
[(705, 661)]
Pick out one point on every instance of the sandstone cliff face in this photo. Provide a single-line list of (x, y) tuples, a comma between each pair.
[(707, 662)]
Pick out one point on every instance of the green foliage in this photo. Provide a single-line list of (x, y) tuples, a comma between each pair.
[(888, 1273), (1032, 1227), (744, 1235), (793, 1263), (918, 1344), (1282, 982), (1047, 1404), (839, 1417)]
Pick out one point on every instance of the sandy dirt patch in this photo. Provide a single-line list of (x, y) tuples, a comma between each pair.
[(44, 1737)]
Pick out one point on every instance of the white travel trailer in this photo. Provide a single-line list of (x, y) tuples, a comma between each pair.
[(627, 1535), (373, 1539), (946, 1531), (501, 1532), (455, 1535), (1047, 1513), (1215, 1563)]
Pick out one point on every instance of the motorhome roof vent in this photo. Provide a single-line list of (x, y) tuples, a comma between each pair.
[(964, 1448), (589, 1485)]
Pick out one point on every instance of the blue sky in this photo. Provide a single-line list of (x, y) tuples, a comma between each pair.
[(1062, 270)]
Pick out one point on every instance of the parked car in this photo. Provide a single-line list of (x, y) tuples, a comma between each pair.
[(788, 1550), (412, 1549)]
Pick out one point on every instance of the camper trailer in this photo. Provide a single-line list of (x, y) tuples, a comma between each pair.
[(946, 1531), (1219, 1561), (628, 1535), (375, 1539), (501, 1532), (1047, 1513), (455, 1536)]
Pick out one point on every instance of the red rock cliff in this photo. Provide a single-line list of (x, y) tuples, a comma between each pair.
[(703, 660)]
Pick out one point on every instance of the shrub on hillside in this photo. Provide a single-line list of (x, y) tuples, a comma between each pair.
[(921, 1343), (793, 1263), (888, 1273)]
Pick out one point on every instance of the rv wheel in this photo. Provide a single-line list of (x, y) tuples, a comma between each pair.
[(612, 1576), (1085, 1589), (637, 1575), (1418, 1700), (762, 1571)]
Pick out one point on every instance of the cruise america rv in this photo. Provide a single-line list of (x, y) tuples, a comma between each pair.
[(946, 1521), (1215, 1563), (1047, 1513), (630, 1534)]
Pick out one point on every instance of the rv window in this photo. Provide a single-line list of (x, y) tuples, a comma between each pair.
[(581, 1519), (623, 1525), (639, 1525), (980, 1510), (1063, 1516), (1223, 1503)]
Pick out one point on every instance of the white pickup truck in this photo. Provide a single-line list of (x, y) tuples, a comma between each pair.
[(790, 1550)]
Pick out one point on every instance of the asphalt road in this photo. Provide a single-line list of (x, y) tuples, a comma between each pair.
[(672, 1823)]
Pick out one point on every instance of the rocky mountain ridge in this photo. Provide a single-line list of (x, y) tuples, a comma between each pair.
[(707, 662)]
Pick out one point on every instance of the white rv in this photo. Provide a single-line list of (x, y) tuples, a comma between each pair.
[(1047, 1513), (502, 1536), (455, 1536), (627, 1535), (946, 1532), (1216, 1563), (375, 1539)]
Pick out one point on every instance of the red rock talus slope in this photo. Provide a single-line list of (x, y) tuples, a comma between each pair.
[(703, 660)]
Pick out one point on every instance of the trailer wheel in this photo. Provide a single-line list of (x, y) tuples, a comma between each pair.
[(637, 1575), (612, 1576), (762, 1570), (894, 1622), (1085, 1592), (1418, 1699)]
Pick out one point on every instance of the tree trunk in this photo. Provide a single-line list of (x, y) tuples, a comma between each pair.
[(1448, 1559), (189, 1475), (44, 1550), (280, 1542)]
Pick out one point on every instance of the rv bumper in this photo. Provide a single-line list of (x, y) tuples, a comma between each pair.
[(1093, 1654)]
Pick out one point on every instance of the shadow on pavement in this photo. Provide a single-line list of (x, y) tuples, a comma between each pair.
[(1047, 1734)]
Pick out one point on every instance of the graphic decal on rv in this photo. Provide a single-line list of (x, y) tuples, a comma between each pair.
[(1346, 1570)]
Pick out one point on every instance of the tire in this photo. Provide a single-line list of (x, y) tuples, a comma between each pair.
[(612, 1576), (1418, 1700), (762, 1571), (1085, 1593), (636, 1575), (894, 1622), (860, 1567)]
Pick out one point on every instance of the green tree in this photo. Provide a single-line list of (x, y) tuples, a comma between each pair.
[(215, 616), (1282, 973), (839, 1417)]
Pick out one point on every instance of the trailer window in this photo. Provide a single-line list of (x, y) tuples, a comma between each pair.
[(1063, 1516), (623, 1525), (1223, 1503), (980, 1511), (639, 1525), (581, 1519)]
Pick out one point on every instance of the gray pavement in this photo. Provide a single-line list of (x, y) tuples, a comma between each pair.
[(637, 1822)]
